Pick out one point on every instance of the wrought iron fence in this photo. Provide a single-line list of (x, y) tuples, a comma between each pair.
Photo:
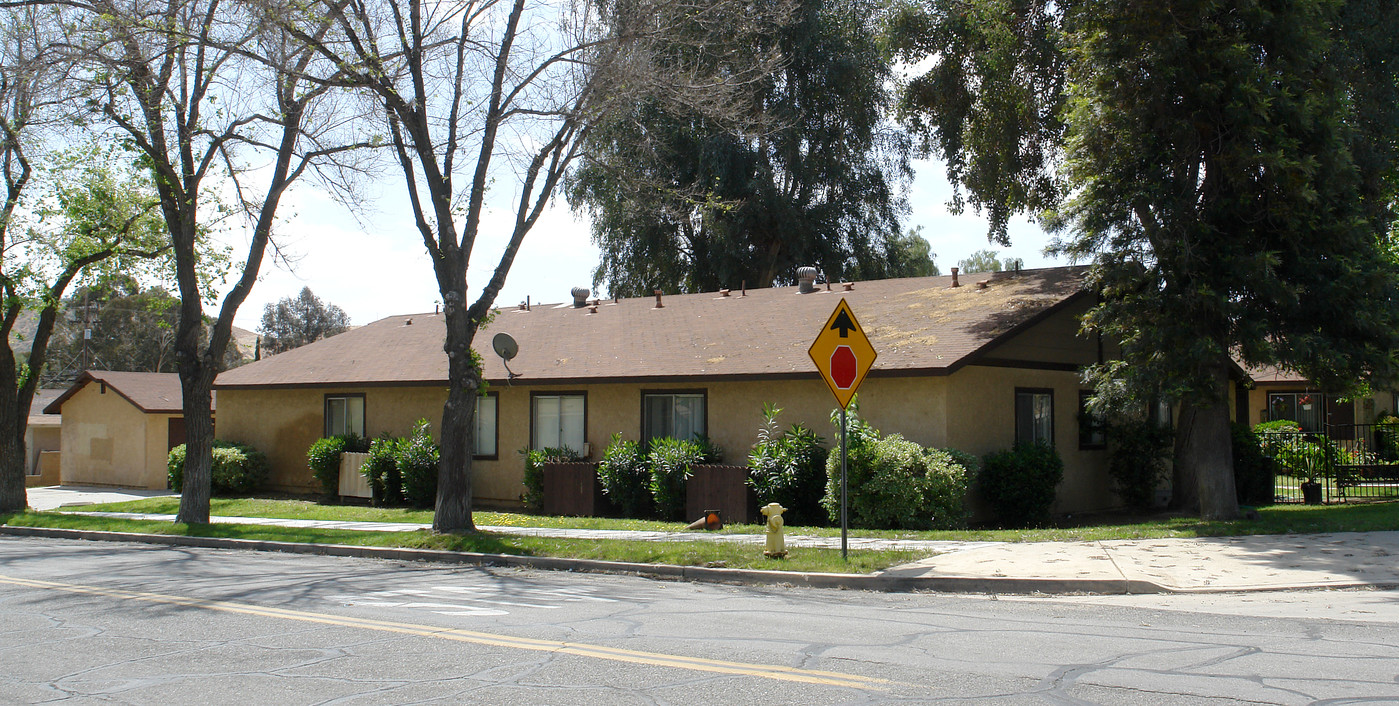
[(1345, 462)]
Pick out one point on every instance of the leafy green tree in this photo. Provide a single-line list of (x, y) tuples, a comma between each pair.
[(295, 321), (987, 261), (118, 329), (133, 332), (1229, 168), (910, 255), (85, 215), (679, 202)]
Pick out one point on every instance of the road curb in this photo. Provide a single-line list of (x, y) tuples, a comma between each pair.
[(880, 582)]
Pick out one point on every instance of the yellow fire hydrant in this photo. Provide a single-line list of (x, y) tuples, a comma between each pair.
[(776, 543)]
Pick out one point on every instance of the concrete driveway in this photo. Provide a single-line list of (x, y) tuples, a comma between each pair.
[(57, 496)]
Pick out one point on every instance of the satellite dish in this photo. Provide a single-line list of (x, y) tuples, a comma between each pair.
[(505, 346)]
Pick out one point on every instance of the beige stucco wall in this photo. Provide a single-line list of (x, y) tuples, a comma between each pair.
[(50, 471), (106, 440), (284, 423)]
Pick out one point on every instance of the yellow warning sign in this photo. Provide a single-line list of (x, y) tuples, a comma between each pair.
[(842, 353)]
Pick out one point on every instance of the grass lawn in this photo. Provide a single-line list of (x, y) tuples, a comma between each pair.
[(1280, 519), (699, 553)]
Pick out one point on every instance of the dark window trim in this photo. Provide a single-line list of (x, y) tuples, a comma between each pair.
[(562, 393), (641, 417), (1086, 425), (1036, 391), (495, 456), (325, 411)]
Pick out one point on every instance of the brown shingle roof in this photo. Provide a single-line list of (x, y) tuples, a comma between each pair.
[(916, 324), (153, 393), (1272, 373)]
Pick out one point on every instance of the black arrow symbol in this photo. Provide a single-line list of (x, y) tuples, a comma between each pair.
[(844, 323)]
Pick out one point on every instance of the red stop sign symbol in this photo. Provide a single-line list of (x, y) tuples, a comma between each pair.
[(843, 366)]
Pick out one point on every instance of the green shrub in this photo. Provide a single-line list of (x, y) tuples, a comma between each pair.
[(671, 461), (710, 452), (381, 470), (1387, 437), (1137, 460), (1020, 484), (788, 468), (894, 483), (1298, 454), (533, 497), (417, 466), (947, 480), (861, 457), (175, 466), (236, 469), (1254, 474), (323, 458), (625, 477), (1277, 425)]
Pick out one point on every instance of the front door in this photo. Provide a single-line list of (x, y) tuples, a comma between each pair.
[(1340, 418), (176, 432)]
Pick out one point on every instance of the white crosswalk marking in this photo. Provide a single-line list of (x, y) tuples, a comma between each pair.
[(470, 600)]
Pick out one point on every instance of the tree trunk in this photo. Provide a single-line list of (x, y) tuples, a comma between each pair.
[(453, 510), (196, 383), (1185, 488), (1204, 449), (13, 497)]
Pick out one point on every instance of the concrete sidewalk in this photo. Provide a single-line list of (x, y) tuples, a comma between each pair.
[(1194, 565)]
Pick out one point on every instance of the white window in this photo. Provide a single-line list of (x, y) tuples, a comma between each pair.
[(1034, 416), (486, 410), (1305, 408), (675, 415), (558, 422), (344, 415)]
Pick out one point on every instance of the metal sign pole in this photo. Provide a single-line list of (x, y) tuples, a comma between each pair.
[(843, 524)]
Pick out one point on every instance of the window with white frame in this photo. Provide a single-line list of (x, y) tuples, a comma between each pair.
[(344, 415), (1305, 408), (1034, 416), (559, 421), (487, 416), (678, 415)]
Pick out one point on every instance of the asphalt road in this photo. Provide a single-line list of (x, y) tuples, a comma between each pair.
[(119, 623)]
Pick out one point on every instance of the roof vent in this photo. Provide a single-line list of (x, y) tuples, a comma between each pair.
[(955, 283), (580, 296), (806, 280)]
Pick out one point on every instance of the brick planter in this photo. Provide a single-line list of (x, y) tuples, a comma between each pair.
[(572, 489), (722, 488)]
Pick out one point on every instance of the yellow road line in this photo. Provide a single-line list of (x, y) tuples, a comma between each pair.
[(763, 671)]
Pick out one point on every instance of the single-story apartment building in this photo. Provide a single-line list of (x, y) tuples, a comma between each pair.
[(118, 428), (976, 364)]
